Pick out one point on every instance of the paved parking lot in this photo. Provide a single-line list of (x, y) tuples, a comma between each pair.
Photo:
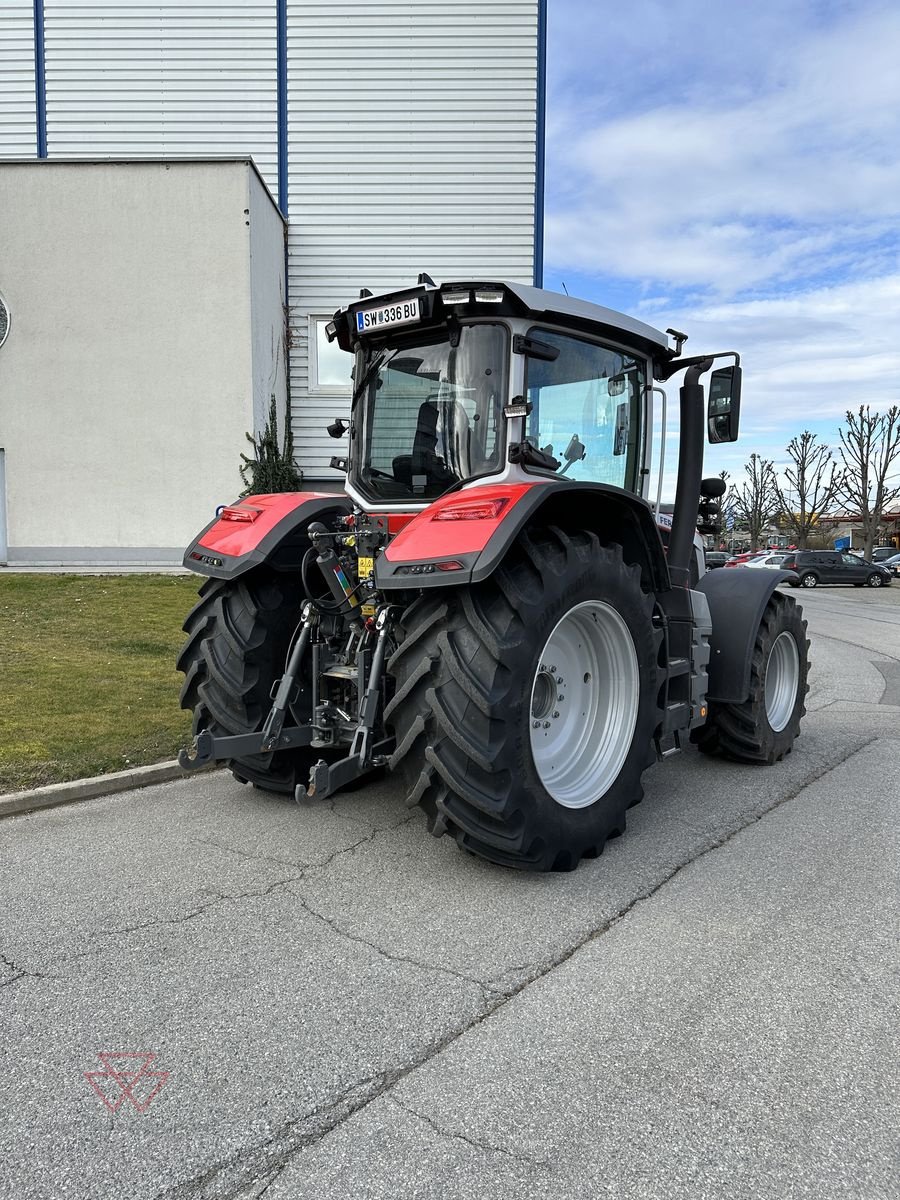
[(341, 1006)]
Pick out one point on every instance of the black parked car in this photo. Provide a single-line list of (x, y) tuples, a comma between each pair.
[(830, 566), (715, 558), (882, 553)]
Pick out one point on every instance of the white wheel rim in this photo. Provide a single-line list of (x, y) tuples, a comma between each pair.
[(782, 681), (584, 704)]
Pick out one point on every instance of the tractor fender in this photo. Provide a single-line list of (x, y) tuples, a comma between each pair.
[(259, 529), (737, 600), (463, 536)]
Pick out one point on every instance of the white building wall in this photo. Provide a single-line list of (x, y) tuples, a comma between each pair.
[(412, 130), (18, 125), (127, 381), (267, 300), (131, 78)]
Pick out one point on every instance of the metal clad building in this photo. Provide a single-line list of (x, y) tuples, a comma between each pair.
[(130, 79), (18, 121), (412, 133), (396, 136)]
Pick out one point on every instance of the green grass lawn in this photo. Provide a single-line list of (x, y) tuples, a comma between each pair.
[(89, 682)]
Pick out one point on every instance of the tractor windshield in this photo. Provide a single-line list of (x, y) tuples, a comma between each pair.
[(432, 413), (585, 408)]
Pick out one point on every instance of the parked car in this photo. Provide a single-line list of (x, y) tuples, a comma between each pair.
[(715, 558), (738, 560), (892, 564), (769, 562), (882, 553), (831, 566)]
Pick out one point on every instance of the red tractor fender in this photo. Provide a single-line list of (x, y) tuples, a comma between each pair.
[(463, 537), (260, 529)]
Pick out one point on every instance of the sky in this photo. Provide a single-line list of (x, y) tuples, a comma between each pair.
[(732, 170)]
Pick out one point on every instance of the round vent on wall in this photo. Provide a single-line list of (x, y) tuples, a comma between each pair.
[(4, 320)]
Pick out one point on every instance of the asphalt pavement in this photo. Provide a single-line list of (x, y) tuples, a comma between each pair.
[(327, 1002)]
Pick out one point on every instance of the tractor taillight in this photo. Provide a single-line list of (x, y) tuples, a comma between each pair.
[(245, 515), (450, 565), (472, 510)]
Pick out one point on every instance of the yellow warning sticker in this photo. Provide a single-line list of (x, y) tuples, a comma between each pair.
[(365, 566)]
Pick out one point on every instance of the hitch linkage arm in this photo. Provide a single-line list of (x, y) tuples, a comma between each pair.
[(208, 749), (364, 756)]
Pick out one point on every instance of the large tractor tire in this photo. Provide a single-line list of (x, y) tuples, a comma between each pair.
[(525, 705), (239, 633), (765, 726)]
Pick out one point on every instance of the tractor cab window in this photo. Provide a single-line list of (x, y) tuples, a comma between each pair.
[(432, 412), (585, 409)]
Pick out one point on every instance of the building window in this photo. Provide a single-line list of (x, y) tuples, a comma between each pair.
[(329, 365)]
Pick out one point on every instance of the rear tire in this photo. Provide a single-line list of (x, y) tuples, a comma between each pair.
[(764, 728), (469, 673), (238, 637)]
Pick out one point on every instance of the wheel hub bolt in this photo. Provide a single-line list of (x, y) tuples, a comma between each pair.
[(556, 713), (535, 724), (553, 670), (546, 724), (560, 696), (559, 679)]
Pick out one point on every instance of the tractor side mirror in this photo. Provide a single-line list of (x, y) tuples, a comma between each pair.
[(724, 411)]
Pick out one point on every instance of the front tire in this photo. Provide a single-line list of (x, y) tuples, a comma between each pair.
[(239, 633), (477, 741), (874, 580), (765, 726), (808, 580)]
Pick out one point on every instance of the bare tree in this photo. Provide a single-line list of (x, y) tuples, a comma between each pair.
[(870, 453), (812, 484), (755, 502)]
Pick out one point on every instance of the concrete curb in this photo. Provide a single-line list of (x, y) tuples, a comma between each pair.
[(87, 789)]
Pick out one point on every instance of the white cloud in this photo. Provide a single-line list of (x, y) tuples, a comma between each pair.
[(788, 176), (807, 359)]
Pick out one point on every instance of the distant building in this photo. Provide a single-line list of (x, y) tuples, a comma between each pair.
[(391, 139), (840, 525)]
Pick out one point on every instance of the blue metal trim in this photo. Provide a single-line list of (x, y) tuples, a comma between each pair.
[(282, 88), (40, 80), (540, 145)]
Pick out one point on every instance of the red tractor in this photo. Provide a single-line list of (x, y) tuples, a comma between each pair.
[(493, 611)]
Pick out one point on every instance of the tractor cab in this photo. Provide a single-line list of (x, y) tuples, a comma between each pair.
[(476, 382)]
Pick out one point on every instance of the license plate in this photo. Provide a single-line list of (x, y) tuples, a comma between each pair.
[(402, 312)]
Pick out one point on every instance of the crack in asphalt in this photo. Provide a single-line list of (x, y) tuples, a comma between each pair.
[(219, 898), (484, 1147), (18, 972), (245, 1167), (332, 924), (374, 830)]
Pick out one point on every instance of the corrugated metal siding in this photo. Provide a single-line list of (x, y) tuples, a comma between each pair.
[(130, 78), (412, 130), (18, 128)]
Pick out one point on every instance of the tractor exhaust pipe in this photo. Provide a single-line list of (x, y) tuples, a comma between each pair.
[(691, 439)]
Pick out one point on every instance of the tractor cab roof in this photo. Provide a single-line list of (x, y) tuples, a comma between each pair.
[(434, 304)]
